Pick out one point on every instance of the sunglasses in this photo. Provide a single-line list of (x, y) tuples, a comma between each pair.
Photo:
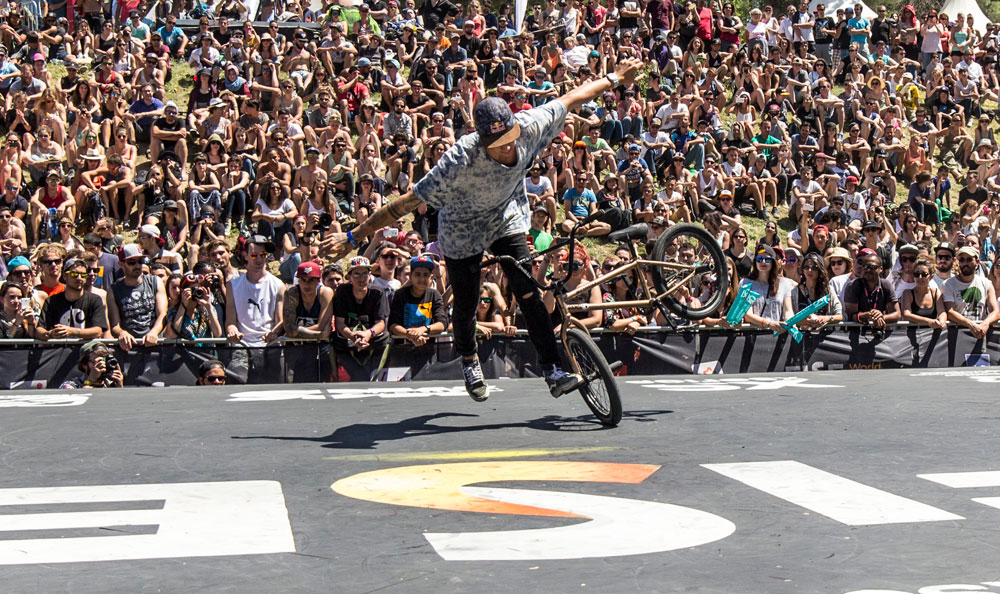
[(19, 273), (93, 271), (907, 258), (965, 260), (921, 274), (871, 266), (575, 267), (764, 260), (52, 262), (945, 257), (389, 257), (76, 274), (810, 268), (486, 300), (215, 379), (791, 260), (257, 256), (134, 261)]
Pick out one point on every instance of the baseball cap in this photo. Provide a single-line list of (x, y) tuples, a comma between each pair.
[(851, 180), (151, 230), (170, 205), (541, 209), (495, 122), (943, 246), (37, 57), (261, 240), (169, 105), (822, 156), (130, 250), (358, 262), (309, 270), (909, 249), (422, 261), (871, 225), (969, 251), (364, 62), (766, 250), (18, 261)]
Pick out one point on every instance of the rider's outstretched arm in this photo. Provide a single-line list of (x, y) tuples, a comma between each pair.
[(339, 244), (626, 71)]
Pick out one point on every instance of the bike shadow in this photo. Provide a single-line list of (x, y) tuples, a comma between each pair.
[(367, 436)]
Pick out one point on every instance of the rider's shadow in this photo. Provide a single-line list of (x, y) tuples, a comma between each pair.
[(366, 436)]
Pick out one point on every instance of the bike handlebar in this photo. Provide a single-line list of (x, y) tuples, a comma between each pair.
[(572, 253)]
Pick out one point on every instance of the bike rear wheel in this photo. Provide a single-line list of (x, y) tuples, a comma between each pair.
[(599, 388), (703, 272)]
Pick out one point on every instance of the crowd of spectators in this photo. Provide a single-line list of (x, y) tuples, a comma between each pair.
[(131, 212)]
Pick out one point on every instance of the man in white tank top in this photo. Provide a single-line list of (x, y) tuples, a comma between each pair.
[(254, 299)]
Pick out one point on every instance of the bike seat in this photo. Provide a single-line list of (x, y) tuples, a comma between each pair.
[(636, 231)]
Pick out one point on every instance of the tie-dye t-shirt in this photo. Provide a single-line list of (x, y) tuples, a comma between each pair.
[(478, 199)]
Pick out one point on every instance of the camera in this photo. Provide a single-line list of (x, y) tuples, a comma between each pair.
[(199, 292), (325, 220)]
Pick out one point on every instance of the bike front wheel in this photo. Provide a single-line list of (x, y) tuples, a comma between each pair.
[(697, 265), (599, 388)]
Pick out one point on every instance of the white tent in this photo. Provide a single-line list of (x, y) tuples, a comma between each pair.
[(968, 8), (833, 5)]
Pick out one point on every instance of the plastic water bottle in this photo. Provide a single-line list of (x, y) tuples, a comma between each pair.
[(53, 223)]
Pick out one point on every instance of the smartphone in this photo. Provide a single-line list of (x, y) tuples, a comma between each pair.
[(391, 233), (807, 208), (25, 303)]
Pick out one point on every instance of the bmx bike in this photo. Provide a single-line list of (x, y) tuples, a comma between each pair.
[(686, 261)]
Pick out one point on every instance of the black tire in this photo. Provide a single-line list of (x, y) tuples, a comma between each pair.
[(709, 259), (599, 388)]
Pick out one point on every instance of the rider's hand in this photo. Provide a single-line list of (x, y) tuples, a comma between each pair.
[(628, 71), (335, 244)]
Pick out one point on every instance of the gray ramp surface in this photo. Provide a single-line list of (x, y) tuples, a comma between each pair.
[(874, 482)]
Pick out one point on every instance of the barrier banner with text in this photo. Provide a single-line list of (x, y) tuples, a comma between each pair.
[(699, 351)]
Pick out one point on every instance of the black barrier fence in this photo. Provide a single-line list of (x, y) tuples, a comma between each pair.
[(651, 352)]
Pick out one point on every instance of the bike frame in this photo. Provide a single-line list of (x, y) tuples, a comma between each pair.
[(566, 310)]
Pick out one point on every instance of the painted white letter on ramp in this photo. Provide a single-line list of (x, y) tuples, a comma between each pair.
[(197, 520), (619, 527), (835, 497)]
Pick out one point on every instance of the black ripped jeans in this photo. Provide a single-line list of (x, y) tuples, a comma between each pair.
[(464, 274)]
